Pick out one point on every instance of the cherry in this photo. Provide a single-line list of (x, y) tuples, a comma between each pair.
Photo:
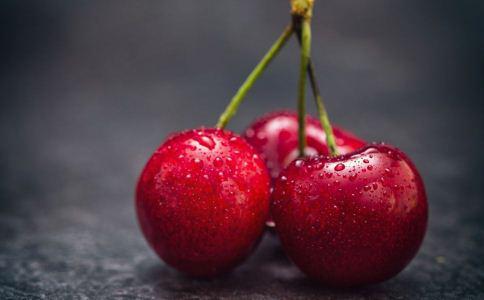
[(354, 219), (202, 201), (275, 138)]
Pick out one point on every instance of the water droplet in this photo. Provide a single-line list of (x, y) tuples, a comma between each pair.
[(249, 132), (298, 163), (206, 142), (283, 178), (339, 167), (366, 187), (329, 175), (353, 176), (188, 176), (375, 186), (370, 167), (366, 161), (218, 162)]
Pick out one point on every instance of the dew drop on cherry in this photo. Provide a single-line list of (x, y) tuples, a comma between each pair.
[(339, 167), (206, 142), (218, 162), (249, 132)]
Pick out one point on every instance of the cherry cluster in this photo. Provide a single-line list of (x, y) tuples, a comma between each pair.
[(347, 212)]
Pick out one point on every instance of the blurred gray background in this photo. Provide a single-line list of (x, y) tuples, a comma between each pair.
[(91, 88)]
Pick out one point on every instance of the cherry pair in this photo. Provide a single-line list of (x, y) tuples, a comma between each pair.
[(347, 213)]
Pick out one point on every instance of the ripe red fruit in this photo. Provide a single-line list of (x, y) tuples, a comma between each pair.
[(202, 201), (275, 138), (354, 219)]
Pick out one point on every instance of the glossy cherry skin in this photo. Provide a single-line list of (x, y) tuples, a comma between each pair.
[(351, 220), (202, 200), (275, 138)]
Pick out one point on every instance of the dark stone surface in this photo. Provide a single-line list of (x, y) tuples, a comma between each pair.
[(90, 89)]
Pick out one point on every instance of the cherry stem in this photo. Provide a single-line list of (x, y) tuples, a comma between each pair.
[(301, 103), (322, 112), (234, 104)]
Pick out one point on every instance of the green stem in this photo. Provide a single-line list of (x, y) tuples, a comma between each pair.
[(324, 119), (322, 112), (305, 55), (231, 109)]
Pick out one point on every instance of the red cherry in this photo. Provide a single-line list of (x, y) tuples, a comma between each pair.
[(275, 138), (202, 201), (354, 219)]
